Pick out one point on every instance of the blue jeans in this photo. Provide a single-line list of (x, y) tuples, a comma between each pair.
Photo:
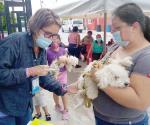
[(74, 50), (101, 122), (11, 120)]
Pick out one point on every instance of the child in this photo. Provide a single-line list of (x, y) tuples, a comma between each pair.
[(54, 52), (39, 101)]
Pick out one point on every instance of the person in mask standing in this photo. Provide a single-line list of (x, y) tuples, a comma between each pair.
[(127, 106), (97, 47), (53, 53), (23, 68)]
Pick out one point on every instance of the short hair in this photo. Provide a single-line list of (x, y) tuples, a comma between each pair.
[(89, 32), (98, 35), (75, 29), (57, 35), (42, 18)]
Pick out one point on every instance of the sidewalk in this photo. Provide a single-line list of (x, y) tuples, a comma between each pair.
[(79, 116)]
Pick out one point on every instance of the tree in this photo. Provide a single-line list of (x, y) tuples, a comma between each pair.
[(3, 18)]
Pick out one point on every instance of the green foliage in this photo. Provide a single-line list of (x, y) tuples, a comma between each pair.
[(3, 17), (13, 19), (1, 7)]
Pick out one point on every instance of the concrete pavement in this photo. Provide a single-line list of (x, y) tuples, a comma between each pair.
[(78, 116)]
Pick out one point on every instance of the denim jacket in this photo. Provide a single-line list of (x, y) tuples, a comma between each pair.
[(16, 54)]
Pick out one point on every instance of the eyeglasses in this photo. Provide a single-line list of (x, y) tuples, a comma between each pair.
[(48, 34)]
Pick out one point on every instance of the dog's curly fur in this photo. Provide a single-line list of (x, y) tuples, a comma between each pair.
[(85, 81), (113, 73), (68, 61)]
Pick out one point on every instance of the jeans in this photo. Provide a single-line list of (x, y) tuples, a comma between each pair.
[(12, 120), (101, 122), (74, 50)]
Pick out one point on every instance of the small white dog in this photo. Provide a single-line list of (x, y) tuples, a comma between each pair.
[(66, 60), (85, 81), (113, 73)]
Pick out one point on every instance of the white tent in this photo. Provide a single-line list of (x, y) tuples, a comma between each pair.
[(88, 7), (84, 8)]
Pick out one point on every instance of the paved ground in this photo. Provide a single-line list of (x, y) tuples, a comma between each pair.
[(79, 116)]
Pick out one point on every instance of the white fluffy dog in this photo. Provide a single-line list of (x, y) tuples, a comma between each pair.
[(85, 81), (113, 73), (68, 61)]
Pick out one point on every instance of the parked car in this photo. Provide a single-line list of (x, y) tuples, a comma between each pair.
[(66, 26), (79, 24)]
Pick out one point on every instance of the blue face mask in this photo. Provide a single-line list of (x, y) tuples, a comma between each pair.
[(118, 39), (43, 42)]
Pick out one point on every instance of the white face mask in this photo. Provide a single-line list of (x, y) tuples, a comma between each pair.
[(118, 39), (99, 39)]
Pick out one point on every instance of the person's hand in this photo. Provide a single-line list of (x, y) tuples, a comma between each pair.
[(93, 76), (39, 70), (73, 89)]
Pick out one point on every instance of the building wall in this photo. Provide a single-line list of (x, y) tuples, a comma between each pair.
[(98, 21)]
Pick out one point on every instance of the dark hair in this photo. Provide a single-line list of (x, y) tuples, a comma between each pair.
[(147, 28), (89, 32), (42, 18), (75, 29), (57, 35), (130, 13)]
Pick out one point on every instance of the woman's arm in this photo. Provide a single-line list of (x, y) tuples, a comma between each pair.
[(136, 96), (88, 54), (78, 39)]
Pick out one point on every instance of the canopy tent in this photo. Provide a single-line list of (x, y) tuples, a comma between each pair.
[(85, 8)]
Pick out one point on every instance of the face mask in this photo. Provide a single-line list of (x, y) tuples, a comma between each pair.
[(43, 42), (55, 45), (118, 39), (99, 39)]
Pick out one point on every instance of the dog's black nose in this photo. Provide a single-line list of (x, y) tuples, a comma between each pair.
[(126, 84)]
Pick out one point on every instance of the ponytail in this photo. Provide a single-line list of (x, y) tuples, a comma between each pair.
[(147, 28)]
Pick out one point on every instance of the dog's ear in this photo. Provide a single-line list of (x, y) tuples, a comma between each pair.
[(104, 77), (126, 62)]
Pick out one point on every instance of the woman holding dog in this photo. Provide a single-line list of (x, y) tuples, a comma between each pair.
[(127, 106)]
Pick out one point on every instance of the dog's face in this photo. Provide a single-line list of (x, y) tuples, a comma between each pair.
[(71, 62), (61, 62), (113, 75)]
